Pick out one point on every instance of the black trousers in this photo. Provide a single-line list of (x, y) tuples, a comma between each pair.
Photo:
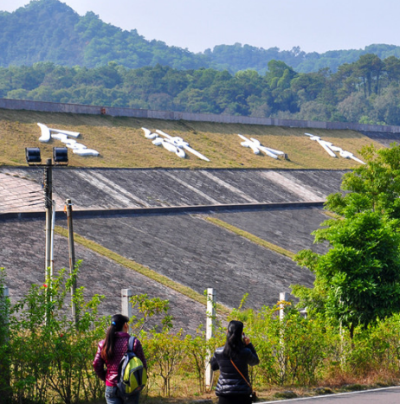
[(236, 399)]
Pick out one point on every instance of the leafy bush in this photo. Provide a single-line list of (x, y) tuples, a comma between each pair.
[(46, 357)]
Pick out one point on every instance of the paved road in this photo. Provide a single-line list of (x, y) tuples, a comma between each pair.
[(390, 395)]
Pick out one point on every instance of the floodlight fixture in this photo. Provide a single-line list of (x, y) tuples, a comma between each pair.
[(32, 155), (60, 155)]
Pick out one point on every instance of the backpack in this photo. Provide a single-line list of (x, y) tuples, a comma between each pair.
[(132, 376)]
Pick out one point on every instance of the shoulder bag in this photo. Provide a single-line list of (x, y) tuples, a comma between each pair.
[(253, 394)]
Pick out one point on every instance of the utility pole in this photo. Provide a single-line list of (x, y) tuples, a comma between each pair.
[(60, 157), (48, 203), (71, 249)]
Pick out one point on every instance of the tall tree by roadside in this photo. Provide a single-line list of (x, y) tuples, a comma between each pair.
[(357, 281)]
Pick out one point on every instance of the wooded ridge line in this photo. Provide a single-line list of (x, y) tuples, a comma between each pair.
[(51, 31)]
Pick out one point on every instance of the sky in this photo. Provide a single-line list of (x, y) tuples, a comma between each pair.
[(314, 25)]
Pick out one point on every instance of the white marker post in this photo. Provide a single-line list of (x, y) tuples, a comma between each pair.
[(126, 307), (283, 297), (210, 326)]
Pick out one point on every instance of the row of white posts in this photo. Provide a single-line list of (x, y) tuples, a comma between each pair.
[(126, 310)]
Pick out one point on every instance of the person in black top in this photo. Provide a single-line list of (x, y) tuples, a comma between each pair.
[(231, 387)]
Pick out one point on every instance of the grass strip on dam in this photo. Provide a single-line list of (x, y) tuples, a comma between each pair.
[(251, 237), (149, 273), (332, 215), (121, 142)]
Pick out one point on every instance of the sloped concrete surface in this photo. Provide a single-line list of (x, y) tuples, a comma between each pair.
[(289, 228), (130, 188), (182, 247), (199, 254), (384, 138), (320, 182), (22, 254)]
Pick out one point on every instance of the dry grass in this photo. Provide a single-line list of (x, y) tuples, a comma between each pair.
[(332, 215), (337, 378), (122, 144)]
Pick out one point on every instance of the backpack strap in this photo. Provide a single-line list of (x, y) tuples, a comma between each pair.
[(131, 343)]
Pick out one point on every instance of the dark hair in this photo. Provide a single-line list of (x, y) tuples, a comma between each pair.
[(117, 323), (234, 341)]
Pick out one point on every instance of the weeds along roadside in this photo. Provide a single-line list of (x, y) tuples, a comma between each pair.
[(46, 359)]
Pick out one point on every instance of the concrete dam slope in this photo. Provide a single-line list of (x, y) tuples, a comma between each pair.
[(185, 248), (24, 263), (188, 249), (198, 254), (140, 188), (384, 138), (288, 228)]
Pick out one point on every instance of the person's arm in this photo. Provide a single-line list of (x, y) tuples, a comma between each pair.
[(98, 364), (138, 350), (214, 363), (252, 358)]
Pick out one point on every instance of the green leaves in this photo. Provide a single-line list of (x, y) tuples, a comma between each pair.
[(358, 279), (147, 308)]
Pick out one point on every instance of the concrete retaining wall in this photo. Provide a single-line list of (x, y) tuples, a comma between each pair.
[(187, 116), (92, 213)]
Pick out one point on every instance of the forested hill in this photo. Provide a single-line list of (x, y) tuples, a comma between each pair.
[(51, 31)]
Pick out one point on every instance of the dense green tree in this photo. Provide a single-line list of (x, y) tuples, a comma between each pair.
[(392, 69), (372, 187), (369, 67), (279, 78), (386, 107), (309, 85), (357, 281)]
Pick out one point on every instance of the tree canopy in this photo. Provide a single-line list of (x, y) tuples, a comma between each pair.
[(358, 279), (365, 91)]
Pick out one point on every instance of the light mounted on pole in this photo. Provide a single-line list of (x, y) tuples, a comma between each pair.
[(32, 155), (60, 156)]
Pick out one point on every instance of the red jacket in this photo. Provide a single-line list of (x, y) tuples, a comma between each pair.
[(110, 374)]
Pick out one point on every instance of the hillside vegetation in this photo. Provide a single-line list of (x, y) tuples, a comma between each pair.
[(51, 31), (122, 144), (366, 91)]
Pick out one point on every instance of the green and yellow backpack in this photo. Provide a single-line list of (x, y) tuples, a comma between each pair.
[(132, 375)]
